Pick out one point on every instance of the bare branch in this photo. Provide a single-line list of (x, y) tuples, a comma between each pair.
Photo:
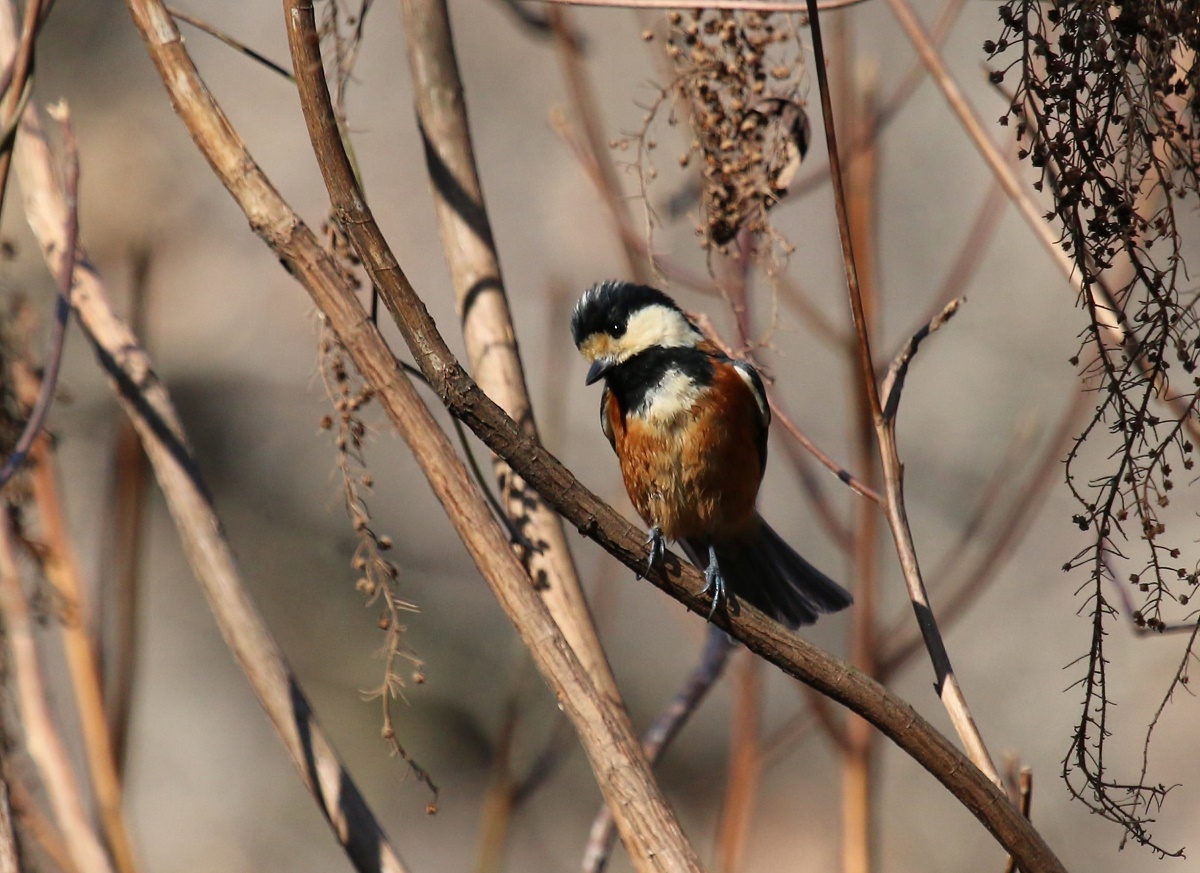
[(62, 306), (893, 382), (735, 5), (744, 770), (232, 42), (1024, 799), (60, 563), (10, 858)]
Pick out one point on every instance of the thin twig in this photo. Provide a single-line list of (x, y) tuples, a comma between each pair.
[(42, 737), (812, 484), (586, 108), (614, 199), (734, 5), (857, 749), (121, 565), (947, 682), (648, 826), (893, 105), (48, 385), (1024, 799), (1002, 542), (37, 829), (62, 570), (499, 798), (843, 475), (214, 31), (10, 858), (59, 561), (16, 94), (893, 382)]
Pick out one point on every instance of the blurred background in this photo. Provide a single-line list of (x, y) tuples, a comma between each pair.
[(209, 787)]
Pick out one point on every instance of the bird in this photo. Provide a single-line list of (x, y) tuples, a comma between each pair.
[(689, 427)]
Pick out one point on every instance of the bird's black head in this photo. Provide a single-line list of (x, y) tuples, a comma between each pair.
[(614, 321)]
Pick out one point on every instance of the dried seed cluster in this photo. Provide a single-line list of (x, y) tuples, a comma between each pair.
[(378, 576), (737, 79), (1106, 103)]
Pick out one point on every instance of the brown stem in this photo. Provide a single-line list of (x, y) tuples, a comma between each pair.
[(717, 649), (60, 564), (62, 569), (21, 70), (121, 565), (10, 858), (857, 751), (745, 5), (1024, 799), (894, 506)]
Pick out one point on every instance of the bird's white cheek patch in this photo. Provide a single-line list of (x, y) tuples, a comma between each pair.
[(656, 326), (671, 401)]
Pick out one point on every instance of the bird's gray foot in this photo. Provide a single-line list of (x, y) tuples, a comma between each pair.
[(714, 582), (658, 546)]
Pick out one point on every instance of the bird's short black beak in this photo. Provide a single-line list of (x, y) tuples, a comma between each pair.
[(599, 367)]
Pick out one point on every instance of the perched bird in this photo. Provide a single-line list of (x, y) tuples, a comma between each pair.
[(689, 426)]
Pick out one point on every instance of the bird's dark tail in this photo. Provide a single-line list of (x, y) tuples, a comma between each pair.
[(764, 570)]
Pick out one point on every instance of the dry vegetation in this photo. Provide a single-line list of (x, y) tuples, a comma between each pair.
[(1102, 107)]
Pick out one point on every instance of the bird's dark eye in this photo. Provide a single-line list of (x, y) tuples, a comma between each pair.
[(616, 328)]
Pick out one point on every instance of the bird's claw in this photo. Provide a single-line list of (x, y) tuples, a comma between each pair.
[(658, 547), (714, 583)]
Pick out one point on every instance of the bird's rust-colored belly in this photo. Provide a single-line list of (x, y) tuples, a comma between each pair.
[(696, 474)]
